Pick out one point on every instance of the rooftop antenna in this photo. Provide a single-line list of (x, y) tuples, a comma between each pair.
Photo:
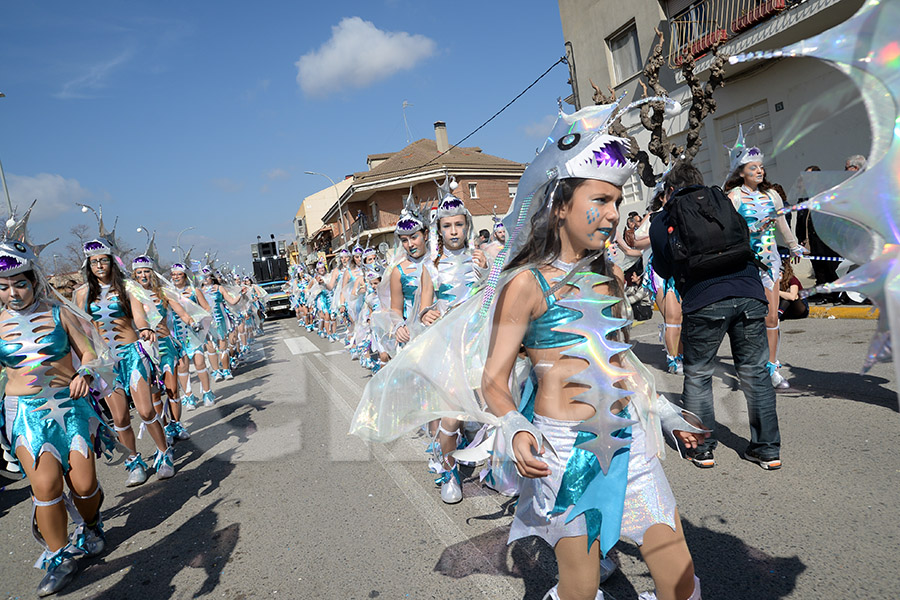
[(405, 123)]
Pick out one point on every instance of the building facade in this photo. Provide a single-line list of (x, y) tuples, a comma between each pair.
[(812, 113), (370, 205)]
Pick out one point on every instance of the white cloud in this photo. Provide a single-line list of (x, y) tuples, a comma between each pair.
[(228, 185), (94, 79), (357, 55), (54, 194), (278, 174), (540, 128)]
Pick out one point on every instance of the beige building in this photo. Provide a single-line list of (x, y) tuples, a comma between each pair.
[(370, 204), (308, 224), (812, 112)]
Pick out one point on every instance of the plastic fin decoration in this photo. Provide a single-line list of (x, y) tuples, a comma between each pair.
[(866, 48)]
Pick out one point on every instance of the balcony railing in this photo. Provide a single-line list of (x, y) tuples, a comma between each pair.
[(696, 30)]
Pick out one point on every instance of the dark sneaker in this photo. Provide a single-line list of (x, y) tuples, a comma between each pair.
[(704, 460), (769, 464)]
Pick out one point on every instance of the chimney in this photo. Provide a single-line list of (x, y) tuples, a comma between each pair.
[(440, 136)]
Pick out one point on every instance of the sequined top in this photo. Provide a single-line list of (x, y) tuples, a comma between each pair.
[(104, 311), (409, 283), (756, 207), (216, 302), (34, 350), (540, 333), (456, 276)]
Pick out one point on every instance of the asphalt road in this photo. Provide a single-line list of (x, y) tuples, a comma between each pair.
[(272, 499)]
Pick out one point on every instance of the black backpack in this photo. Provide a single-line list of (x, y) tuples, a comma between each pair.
[(707, 236)]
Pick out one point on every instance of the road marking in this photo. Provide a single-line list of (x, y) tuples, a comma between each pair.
[(334, 352), (300, 345), (424, 502)]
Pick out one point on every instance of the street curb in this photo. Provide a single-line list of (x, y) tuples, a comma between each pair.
[(843, 312), (869, 313)]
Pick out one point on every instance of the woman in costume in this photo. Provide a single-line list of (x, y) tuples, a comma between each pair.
[(756, 201), (120, 318), (404, 279), (589, 461), (322, 297), (458, 267), (498, 238), (667, 298), (170, 350), (217, 346), (48, 414), (191, 345)]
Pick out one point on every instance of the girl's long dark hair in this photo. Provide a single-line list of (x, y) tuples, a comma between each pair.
[(735, 180), (544, 245), (117, 284)]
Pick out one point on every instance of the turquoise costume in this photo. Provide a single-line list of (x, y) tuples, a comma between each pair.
[(180, 328), (756, 207), (50, 421), (409, 283), (219, 330), (132, 363), (542, 331)]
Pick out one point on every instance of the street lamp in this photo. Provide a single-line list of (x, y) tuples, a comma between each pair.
[(11, 220), (340, 207), (178, 239)]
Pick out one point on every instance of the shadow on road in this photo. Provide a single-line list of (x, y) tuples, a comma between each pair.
[(149, 572), (726, 566), (857, 387)]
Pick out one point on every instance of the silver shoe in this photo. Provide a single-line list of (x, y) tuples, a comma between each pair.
[(778, 381), (451, 488), (137, 471), (182, 433), (209, 399), (170, 434), (59, 574), (90, 540), (165, 467), (189, 402)]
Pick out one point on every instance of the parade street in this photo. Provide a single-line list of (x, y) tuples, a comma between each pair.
[(272, 499)]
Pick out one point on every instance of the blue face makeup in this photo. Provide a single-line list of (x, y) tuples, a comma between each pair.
[(592, 215)]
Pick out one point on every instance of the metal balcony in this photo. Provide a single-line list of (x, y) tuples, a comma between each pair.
[(696, 30)]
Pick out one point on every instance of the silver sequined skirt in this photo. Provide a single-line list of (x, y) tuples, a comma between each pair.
[(648, 496)]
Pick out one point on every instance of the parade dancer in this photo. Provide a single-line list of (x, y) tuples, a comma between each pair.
[(170, 350), (322, 297), (120, 318), (457, 268), (190, 344), (587, 438), (755, 199), (47, 413), (339, 278), (217, 346), (405, 276), (498, 238)]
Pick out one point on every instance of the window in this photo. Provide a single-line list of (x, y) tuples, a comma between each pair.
[(473, 190), (513, 188), (623, 48)]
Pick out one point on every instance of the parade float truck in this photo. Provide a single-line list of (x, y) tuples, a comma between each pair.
[(270, 270)]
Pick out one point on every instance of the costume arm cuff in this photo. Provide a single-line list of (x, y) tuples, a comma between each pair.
[(512, 423), (671, 417), (85, 372)]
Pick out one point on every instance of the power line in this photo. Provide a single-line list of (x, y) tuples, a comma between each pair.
[(412, 170)]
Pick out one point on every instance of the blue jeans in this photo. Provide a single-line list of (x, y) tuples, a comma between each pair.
[(743, 319)]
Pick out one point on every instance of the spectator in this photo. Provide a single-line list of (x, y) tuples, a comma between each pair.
[(362, 221), (790, 304), (484, 236), (637, 295), (857, 162), (733, 303)]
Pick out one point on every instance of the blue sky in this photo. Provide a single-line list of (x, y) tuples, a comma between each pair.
[(179, 114)]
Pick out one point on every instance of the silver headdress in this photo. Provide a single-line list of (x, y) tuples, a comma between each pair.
[(105, 243), (150, 257), (411, 219), (17, 255), (740, 154)]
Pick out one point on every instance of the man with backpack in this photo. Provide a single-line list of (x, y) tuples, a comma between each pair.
[(701, 240)]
